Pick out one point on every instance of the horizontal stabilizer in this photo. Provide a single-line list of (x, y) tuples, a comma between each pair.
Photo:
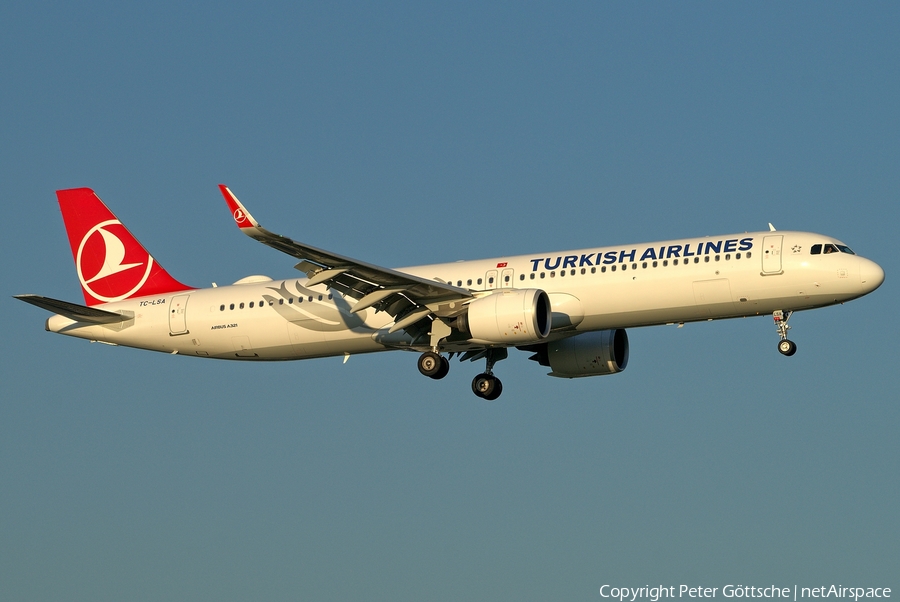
[(73, 311)]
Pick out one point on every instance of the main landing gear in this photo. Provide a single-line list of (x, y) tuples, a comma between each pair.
[(486, 386), (433, 365), (785, 347)]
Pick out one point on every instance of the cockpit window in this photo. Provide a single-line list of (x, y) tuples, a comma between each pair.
[(845, 249), (830, 248), (815, 250)]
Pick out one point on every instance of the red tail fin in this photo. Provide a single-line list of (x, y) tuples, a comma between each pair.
[(111, 264)]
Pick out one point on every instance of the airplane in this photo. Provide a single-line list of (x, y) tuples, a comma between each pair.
[(569, 309)]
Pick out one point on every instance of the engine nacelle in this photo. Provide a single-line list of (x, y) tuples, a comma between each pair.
[(589, 354), (507, 317)]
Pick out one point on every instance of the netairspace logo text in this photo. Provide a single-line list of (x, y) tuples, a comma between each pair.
[(795, 593)]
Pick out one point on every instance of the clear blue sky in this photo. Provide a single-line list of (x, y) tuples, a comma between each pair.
[(411, 133)]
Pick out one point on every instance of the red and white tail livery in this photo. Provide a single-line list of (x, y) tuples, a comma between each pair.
[(111, 264), (568, 310)]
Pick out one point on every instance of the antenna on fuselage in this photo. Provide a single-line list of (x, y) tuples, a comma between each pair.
[(771, 227)]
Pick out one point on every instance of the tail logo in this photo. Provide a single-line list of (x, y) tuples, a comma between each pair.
[(106, 269), (239, 215)]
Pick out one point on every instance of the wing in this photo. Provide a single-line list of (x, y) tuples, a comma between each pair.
[(73, 311), (407, 298)]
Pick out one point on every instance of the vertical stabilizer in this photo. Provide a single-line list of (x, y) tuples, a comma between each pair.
[(110, 262)]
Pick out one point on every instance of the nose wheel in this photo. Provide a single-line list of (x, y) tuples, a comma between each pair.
[(785, 347)]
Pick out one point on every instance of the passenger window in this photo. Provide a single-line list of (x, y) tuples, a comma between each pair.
[(666, 262), (562, 273), (479, 281), (633, 266), (242, 306), (583, 271), (727, 256), (717, 258), (251, 305), (613, 268), (624, 266), (553, 274), (459, 283), (320, 297), (281, 302), (231, 306), (748, 254), (572, 273), (491, 280), (644, 265), (532, 275), (521, 276), (706, 259), (291, 300), (654, 264), (221, 308), (542, 274), (603, 269), (675, 261), (469, 282), (737, 256)]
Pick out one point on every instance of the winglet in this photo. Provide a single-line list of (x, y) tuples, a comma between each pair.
[(241, 216)]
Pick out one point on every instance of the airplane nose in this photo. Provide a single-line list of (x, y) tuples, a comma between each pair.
[(870, 274)]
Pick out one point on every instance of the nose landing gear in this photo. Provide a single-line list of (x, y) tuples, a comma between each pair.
[(785, 347)]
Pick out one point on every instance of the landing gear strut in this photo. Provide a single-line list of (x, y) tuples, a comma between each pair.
[(785, 347), (433, 365)]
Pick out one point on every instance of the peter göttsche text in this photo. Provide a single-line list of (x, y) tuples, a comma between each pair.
[(660, 592)]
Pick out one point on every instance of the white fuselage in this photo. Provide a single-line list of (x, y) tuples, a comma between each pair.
[(590, 289)]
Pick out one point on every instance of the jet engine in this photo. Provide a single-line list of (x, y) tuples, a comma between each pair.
[(585, 354), (507, 317)]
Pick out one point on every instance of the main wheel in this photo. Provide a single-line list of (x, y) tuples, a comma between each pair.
[(430, 364), (787, 347), (487, 386), (445, 369)]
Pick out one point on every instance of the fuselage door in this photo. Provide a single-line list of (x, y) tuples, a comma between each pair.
[(771, 257), (506, 278), (490, 280), (177, 315)]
